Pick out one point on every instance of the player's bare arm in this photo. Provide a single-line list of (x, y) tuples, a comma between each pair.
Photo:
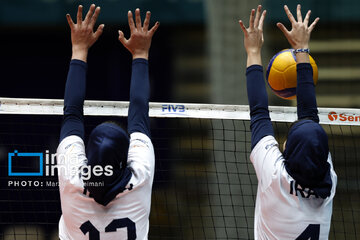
[(299, 35), (253, 36), (140, 35), (82, 32)]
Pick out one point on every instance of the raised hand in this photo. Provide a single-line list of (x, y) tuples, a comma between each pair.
[(299, 35), (253, 36), (82, 33), (140, 36)]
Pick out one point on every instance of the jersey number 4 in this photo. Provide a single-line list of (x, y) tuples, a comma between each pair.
[(94, 234), (312, 232)]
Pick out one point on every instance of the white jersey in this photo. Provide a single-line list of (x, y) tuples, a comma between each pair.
[(283, 209), (128, 213)]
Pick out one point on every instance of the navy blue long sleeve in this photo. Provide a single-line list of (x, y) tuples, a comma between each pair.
[(305, 93), (258, 100), (138, 116), (73, 121)]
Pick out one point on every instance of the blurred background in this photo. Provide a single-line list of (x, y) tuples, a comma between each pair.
[(197, 56)]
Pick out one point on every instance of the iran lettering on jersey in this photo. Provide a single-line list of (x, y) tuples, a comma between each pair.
[(283, 209)]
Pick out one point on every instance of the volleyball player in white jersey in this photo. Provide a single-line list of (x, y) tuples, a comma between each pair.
[(105, 187), (295, 188)]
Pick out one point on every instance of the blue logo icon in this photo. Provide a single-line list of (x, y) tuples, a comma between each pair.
[(24, 155)]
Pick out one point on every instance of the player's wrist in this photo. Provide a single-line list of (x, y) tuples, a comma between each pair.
[(144, 55), (79, 54), (253, 51), (302, 57), (80, 47), (254, 58)]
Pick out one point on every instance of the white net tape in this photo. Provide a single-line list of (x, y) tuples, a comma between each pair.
[(337, 116)]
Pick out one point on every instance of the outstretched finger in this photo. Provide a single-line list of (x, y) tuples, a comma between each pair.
[(122, 38), (70, 21), (251, 20), (257, 16), (298, 11), (79, 15), (99, 31), (89, 13), (243, 27), (312, 26), (138, 19), (131, 21), (289, 14), (147, 21), (261, 22), (95, 16), (154, 28), (283, 29), (307, 18)]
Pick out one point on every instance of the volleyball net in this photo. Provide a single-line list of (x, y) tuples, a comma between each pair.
[(205, 185)]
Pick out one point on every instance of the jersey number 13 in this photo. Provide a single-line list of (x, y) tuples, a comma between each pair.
[(94, 234), (312, 232)]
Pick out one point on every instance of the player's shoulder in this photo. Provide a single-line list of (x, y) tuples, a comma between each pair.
[(141, 149), (266, 144), (140, 139), (267, 160), (141, 159), (71, 143)]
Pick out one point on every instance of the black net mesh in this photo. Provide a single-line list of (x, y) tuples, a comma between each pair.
[(204, 186)]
